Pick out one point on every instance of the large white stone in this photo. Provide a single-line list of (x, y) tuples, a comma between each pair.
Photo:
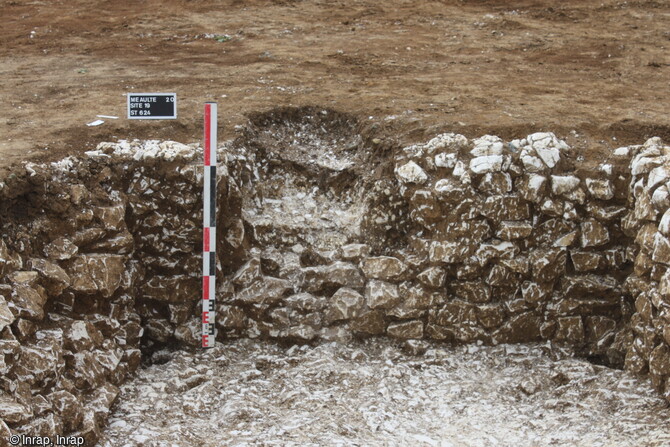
[(383, 267), (642, 165), (531, 163), (496, 183), (652, 146), (346, 303), (487, 252), (459, 169), (547, 147), (432, 276), (486, 163), (536, 186), (563, 184), (661, 251), (577, 195), (452, 141), (445, 160), (606, 168), (594, 233), (487, 145), (381, 294), (411, 173), (657, 175), (622, 152), (661, 198)]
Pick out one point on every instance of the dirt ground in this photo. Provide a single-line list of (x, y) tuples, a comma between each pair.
[(246, 393), (598, 68)]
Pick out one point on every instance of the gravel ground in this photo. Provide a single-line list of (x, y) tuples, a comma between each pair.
[(371, 393)]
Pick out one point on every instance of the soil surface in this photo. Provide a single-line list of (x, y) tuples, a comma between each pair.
[(248, 393), (595, 73)]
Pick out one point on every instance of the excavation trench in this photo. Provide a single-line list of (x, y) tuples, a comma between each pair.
[(329, 236)]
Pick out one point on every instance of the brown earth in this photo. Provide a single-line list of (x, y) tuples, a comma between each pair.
[(600, 68)]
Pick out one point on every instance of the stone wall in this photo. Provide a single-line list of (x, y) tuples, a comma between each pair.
[(532, 248), (502, 243), (96, 253), (649, 284), (463, 241)]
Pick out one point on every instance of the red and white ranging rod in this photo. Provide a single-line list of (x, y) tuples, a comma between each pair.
[(209, 228)]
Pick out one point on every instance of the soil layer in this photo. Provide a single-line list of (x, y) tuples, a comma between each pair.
[(600, 69)]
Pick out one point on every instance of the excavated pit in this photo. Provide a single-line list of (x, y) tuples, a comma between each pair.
[(306, 188), (330, 239), (247, 392)]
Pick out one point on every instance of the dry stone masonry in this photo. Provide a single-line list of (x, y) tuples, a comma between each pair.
[(453, 239), (95, 254)]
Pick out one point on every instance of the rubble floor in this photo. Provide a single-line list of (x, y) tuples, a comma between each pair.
[(366, 393)]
